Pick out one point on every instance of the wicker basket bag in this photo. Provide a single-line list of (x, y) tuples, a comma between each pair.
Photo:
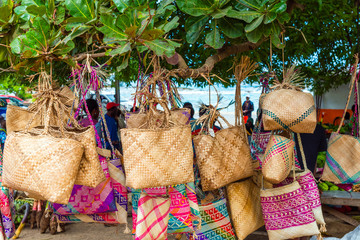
[(245, 207), (17, 118), (287, 107), (343, 154), (157, 156), (278, 158), (42, 165)]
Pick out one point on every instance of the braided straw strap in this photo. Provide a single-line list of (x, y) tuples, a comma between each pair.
[(223, 159), (290, 110), (157, 157), (246, 214)]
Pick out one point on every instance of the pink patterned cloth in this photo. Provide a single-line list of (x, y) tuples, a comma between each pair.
[(153, 217), (311, 191)]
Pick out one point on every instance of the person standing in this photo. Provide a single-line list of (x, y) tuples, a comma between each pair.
[(112, 124), (94, 112), (247, 107), (2, 130)]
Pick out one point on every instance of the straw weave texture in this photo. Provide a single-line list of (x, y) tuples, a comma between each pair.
[(223, 159), (245, 207), (41, 165), (178, 117), (90, 173), (342, 159), (157, 157), (289, 109), (278, 158), (17, 118)]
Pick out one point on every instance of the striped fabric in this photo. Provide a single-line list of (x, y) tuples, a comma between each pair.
[(153, 217), (215, 222), (182, 206)]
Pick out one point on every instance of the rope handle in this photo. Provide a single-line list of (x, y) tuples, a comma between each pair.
[(239, 116), (353, 78), (302, 151)]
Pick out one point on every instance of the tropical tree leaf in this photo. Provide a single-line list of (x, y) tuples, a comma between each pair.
[(172, 24), (5, 13), (213, 38), (276, 41), (81, 8), (247, 16), (231, 28), (35, 10), (64, 48), (125, 47), (194, 26), (252, 4), (195, 8), (279, 8), (269, 17), (254, 36), (254, 24), (59, 15), (219, 13), (110, 30), (121, 5), (160, 47)]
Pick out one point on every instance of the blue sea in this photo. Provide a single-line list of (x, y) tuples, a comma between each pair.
[(197, 95)]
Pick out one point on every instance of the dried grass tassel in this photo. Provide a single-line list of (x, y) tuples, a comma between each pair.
[(319, 237), (127, 229), (323, 228)]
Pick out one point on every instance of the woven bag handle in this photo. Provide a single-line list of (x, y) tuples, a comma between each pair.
[(353, 78), (302, 151), (239, 116)]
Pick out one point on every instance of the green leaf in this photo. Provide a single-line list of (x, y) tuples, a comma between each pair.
[(37, 37), (152, 34), (123, 65), (50, 7), (16, 44), (230, 27), (320, 4), (195, 8), (283, 18), (77, 31), (63, 49), (5, 13), (36, 11), (121, 5), (172, 24), (81, 8), (246, 16), (252, 4), (194, 26), (21, 11), (164, 6), (254, 24), (213, 38), (254, 36), (120, 50), (123, 22), (269, 17), (276, 41), (110, 30), (160, 47), (219, 13), (59, 15), (279, 8)]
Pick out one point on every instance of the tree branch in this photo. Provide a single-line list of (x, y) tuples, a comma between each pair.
[(185, 72)]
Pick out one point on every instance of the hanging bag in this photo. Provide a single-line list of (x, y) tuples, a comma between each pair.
[(278, 159), (343, 154), (153, 218), (245, 207), (42, 165), (287, 107), (287, 213), (148, 152)]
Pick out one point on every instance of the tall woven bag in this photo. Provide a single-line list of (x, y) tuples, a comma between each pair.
[(343, 154), (287, 107), (148, 152), (42, 165), (287, 212), (224, 158), (278, 158), (245, 207)]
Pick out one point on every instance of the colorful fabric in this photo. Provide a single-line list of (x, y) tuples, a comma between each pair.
[(120, 193), (287, 213), (215, 222), (7, 208), (180, 218), (88, 200), (153, 217)]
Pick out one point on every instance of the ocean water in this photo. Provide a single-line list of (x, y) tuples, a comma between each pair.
[(197, 96)]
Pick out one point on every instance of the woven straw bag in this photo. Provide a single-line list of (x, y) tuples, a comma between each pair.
[(90, 172), (178, 117), (17, 118), (153, 218), (343, 154), (223, 159), (290, 110), (148, 152), (278, 158), (245, 207)]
